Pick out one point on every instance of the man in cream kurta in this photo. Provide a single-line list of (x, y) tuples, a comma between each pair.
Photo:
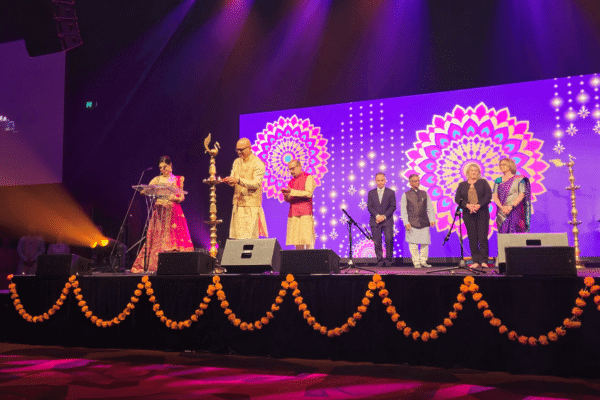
[(299, 193), (247, 174)]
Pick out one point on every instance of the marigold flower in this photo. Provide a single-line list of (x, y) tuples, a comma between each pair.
[(298, 300), (81, 303), (137, 292), (127, 311), (473, 288), (295, 293), (218, 286), (400, 325), (448, 322), (452, 315), (285, 285), (575, 324), (12, 286), (523, 339), (75, 284), (597, 300), (306, 314), (433, 334), (22, 312), (512, 335), (594, 289), (94, 319), (99, 323), (35, 319), (134, 299), (243, 326), (407, 331), (121, 316), (362, 309), (251, 327), (9, 277), (584, 293), (237, 322), (494, 321), (116, 321), (14, 296), (441, 329), (77, 291), (224, 304), (294, 285), (543, 340), (577, 311), (163, 319), (469, 280), (18, 306), (147, 285), (381, 285), (72, 278), (211, 288), (51, 311), (62, 297), (45, 316), (274, 307), (282, 293), (264, 320), (317, 326), (372, 285), (258, 324), (579, 302), (149, 292), (588, 281), (67, 285), (482, 304), (203, 306), (227, 311), (424, 336), (369, 294), (270, 315), (59, 302), (152, 299), (289, 278), (416, 335), (302, 307), (29, 318), (199, 312), (383, 293), (330, 333), (145, 278), (464, 288), (560, 331), (345, 328), (79, 297), (488, 314), (376, 278), (395, 317), (220, 293), (65, 291), (140, 286), (457, 306), (461, 297), (357, 315), (365, 301), (309, 320), (206, 300), (351, 322), (278, 300), (323, 330)]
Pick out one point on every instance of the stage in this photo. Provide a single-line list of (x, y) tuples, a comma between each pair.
[(530, 306)]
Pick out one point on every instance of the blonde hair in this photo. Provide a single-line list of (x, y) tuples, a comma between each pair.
[(511, 164), (473, 165)]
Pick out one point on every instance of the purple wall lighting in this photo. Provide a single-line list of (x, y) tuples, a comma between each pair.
[(436, 135)]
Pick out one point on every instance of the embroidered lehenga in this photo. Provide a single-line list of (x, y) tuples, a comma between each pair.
[(167, 230), (519, 219)]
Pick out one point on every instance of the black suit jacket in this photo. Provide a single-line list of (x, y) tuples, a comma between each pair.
[(484, 195), (386, 207)]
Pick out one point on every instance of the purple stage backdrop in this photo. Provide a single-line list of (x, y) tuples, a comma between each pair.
[(437, 135), (32, 110)]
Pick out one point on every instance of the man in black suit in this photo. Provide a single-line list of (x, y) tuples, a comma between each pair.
[(381, 205)]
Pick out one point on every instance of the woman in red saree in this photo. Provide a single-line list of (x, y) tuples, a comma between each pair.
[(167, 229)]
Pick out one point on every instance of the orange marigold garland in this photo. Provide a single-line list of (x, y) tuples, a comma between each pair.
[(568, 323), (12, 287)]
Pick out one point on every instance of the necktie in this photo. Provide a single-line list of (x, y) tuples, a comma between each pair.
[(380, 193)]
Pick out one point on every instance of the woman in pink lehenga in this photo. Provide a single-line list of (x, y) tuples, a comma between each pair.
[(167, 229)]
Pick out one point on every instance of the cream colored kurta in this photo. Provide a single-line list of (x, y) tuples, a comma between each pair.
[(248, 218), (301, 230)]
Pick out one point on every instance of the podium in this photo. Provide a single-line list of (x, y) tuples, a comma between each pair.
[(159, 191)]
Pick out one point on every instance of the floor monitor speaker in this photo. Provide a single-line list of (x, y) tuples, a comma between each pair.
[(528, 239), (62, 265), (184, 263), (309, 262), (251, 256), (542, 260)]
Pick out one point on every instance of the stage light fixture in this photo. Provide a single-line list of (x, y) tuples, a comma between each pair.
[(93, 245)]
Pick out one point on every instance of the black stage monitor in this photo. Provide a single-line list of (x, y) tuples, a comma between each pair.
[(184, 263), (59, 265), (251, 256), (542, 260), (309, 262)]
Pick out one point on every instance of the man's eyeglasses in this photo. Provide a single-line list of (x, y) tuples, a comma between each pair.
[(240, 150)]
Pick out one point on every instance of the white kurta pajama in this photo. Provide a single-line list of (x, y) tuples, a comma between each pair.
[(301, 229), (248, 218), (416, 236)]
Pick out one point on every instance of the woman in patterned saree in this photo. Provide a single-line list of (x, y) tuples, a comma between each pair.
[(512, 195), (167, 229)]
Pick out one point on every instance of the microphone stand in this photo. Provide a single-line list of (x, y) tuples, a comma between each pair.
[(122, 229), (351, 222), (461, 264)]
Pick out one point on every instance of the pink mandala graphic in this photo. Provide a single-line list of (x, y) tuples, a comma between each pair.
[(365, 248), (482, 136), (287, 139)]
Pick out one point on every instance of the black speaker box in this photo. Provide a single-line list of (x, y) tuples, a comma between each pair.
[(59, 265), (184, 263), (251, 256), (309, 262), (542, 260)]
